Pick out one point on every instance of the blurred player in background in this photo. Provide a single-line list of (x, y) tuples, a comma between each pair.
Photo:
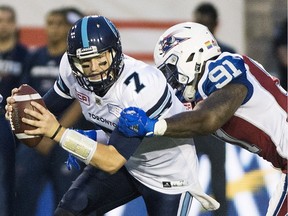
[(12, 63), (46, 163), (236, 100), (207, 14)]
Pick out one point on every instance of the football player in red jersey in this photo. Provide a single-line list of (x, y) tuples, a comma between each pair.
[(236, 100)]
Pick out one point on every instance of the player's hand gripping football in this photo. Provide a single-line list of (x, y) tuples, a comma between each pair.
[(134, 122), (46, 123)]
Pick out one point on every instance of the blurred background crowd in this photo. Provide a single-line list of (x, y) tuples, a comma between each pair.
[(32, 41)]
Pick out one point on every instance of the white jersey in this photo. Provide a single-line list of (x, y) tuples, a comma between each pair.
[(260, 124), (166, 165)]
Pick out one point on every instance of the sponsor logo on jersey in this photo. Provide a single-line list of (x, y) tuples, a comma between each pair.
[(169, 184), (166, 184), (114, 109), (83, 98)]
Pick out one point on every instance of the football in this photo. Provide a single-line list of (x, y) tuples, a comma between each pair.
[(23, 97)]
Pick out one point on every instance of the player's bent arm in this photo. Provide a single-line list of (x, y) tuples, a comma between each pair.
[(104, 157), (209, 114)]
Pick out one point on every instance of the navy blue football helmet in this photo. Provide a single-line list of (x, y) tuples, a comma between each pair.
[(88, 38)]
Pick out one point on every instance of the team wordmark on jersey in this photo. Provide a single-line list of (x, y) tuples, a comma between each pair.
[(101, 120)]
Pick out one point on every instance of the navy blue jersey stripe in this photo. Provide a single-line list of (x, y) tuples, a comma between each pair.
[(163, 103), (62, 86), (55, 103)]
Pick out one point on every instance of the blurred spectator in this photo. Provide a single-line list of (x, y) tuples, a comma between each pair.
[(280, 47), (46, 163), (12, 62), (215, 149), (207, 14)]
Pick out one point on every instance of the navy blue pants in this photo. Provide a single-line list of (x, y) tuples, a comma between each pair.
[(34, 170), (96, 192), (215, 149), (7, 167)]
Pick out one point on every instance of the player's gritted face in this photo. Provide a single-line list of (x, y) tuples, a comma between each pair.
[(94, 67)]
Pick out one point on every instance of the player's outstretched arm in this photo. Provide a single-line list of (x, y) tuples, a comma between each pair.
[(207, 116), (102, 156)]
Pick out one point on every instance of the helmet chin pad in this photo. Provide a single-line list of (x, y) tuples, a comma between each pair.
[(189, 93)]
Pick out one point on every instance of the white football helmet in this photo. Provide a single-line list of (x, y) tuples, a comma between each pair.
[(181, 52)]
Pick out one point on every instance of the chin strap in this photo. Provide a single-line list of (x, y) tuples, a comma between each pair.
[(189, 91)]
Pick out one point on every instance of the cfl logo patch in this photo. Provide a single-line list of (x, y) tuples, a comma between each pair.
[(83, 98)]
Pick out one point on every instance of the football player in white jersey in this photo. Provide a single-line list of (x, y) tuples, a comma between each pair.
[(105, 81), (235, 99)]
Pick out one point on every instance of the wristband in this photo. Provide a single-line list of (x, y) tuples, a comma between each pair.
[(160, 127), (79, 145), (56, 132)]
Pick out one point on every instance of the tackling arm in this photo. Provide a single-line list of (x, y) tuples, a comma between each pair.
[(209, 114)]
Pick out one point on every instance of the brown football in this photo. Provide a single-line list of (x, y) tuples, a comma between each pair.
[(23, 98)]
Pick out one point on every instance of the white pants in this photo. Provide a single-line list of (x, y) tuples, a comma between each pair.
[(279, 202)]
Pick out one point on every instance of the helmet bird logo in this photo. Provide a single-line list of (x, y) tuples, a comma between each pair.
[(169, 42)]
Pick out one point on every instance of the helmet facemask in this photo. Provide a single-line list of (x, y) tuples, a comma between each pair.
[(172, 75), (184, 85), (99, 81)]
